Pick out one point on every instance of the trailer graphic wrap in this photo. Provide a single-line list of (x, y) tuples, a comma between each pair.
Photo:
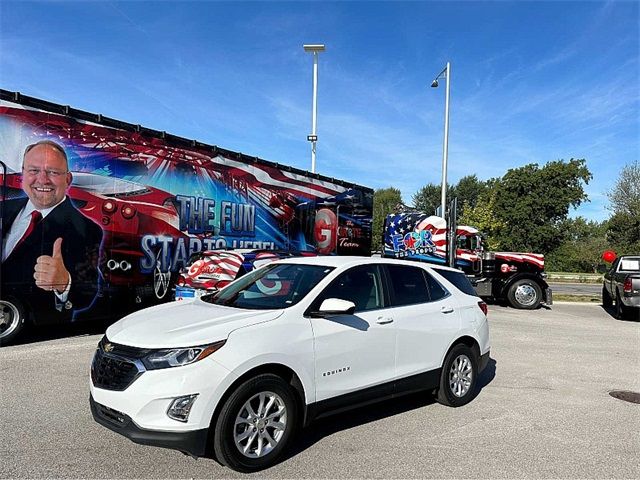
[(421, 237), (158, 198)]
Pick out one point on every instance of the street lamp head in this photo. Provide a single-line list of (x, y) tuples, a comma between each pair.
[(434, 84), (313, 48)]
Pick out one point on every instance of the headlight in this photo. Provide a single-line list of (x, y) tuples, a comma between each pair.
[(176, 357)]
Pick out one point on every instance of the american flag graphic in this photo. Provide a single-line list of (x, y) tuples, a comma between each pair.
[(535, 258), (403, 223), (214, 270)]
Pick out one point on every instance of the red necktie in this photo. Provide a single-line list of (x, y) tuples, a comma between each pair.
[(36, 216)]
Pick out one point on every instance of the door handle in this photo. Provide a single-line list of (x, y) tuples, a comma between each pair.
[(446, 309), (384, 321)]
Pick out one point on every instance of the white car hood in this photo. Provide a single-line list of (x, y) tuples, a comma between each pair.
[(180, 324)]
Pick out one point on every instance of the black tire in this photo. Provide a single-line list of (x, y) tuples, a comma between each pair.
[(456, 390), (227, 430), (12, 320), (621, 310), (607, 301), (525, 294)]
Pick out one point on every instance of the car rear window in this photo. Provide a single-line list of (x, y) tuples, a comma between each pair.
[(630, 265), (459, 280), (436, 290)]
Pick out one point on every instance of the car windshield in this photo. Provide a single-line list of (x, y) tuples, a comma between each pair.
[(270, 287)]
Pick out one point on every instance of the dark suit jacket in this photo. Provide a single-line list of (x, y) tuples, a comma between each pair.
[(81, 247)]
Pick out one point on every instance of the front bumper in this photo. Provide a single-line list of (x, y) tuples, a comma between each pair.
[(192, 442), (548, 296)]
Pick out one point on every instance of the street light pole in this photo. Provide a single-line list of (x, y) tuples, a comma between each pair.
[(445, 147), (313, 138)]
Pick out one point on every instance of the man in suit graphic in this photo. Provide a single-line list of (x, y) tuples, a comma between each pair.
[(51, 253)]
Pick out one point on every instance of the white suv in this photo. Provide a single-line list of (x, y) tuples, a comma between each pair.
[(234, 374)]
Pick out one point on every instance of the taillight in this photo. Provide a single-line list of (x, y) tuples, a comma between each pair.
[(627, 285), (485, 309), (109, 206), (128, 212)]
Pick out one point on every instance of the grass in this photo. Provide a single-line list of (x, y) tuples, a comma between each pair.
[(569, 277), (576, 298)]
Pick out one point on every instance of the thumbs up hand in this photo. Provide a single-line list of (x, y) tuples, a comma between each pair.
[(50, 272)]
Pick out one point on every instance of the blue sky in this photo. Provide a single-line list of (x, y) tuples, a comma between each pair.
[(531, 81)]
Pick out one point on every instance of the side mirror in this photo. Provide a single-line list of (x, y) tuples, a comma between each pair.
[(335, 306)]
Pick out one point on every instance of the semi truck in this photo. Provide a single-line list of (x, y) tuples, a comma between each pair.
[(515, 277), (157, 198)]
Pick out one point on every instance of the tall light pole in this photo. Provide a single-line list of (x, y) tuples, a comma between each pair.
[(313, 138), (446, 73)]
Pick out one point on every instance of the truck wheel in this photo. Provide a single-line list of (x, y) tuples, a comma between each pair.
[(12, 320), (607, 301), (525, 294), (458, 378), (256, 423), (621, 310)]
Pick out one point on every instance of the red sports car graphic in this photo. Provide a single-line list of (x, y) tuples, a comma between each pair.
[(125, 211)]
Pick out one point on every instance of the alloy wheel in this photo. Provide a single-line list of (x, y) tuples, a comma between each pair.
[(260, 424), (460, 376)]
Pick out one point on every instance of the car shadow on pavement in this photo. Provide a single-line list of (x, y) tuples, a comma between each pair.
[(56, 332), (371, 413), (631, 317)]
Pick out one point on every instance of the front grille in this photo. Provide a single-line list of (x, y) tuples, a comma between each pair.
[(125, 351), (116, 368)]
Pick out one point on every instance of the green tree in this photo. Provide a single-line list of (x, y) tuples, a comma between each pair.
[(468, 190), (384, 202), (427, 199), (581, 250), (532, 202), (623, 233), (625, 195), (483, 216), (624, 202)]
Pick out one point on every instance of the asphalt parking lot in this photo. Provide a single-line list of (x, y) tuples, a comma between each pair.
[(543, 411)]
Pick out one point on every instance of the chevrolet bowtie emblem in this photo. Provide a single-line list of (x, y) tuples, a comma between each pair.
[(108, 347)]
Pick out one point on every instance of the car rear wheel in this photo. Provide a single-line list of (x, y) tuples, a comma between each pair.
[(621, 310), (525, 294), (256, 423), (12, 320), (607, 301), (458, 378)]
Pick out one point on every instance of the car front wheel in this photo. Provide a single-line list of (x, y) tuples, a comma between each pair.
[(256, 423), (525, 294), (458, 378)]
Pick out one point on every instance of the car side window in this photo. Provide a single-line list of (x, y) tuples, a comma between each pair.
[(360, 285), (458, 279), (436, 291), (408, 285)]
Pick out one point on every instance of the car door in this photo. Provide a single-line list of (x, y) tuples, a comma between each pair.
[(610, 278), (354, 352), (426, 319)]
